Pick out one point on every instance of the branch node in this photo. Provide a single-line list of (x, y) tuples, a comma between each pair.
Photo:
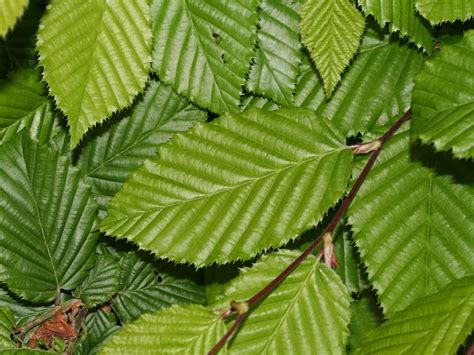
[(328, 251), (240, 307), (368, 147)]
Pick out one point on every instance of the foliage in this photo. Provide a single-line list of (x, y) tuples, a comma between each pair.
[(163, 165)]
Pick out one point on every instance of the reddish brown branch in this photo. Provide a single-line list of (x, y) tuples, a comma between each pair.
[(375, 151)]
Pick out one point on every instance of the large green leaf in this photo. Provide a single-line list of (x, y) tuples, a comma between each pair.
[(443, 99), (229, 189), (109, 157), (278, 54), (376, 88), (308, 311), (437, 11), (176, 330), (402, 17), (96, 56), (436, 324), (10, 11), (331, 30), (47, 217), (414, 229), (203, 48), (145, 289)]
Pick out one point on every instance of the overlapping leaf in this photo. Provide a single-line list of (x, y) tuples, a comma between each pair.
[(278, 54), (402, 17), (99, 327), (331, 30), (143, 289), (308, 311), (7, 322), (365, 317), (109, 157), (437, 11), (443, 99), (436, 324), (47, 217), (203, 49), (96, 57), (414, 229), (179, 329), (229, 189), (11, 10), (250, 102)]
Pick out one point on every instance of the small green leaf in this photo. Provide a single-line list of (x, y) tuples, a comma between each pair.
[(438, 11), (101, 283), (106, 60), (187, 329), (203, 49), (47, 215), (365, 316), (98, 327), (436, 324), (7, 323), (331, 30), (11, 11), (228, 189), (443, 99)]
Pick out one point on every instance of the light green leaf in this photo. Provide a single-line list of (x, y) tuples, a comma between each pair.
[(145, 289), (278, 54), (279, 171), (105, 62), (308, 311), (250, 102), (203, 49), (7, 322), (98, 327), (187, 329), (11, 11), (109, 157), (331, 30), (438, 11), (402, 17), (47, 217), (436, 324), (376, 88), (414, 229), (443, 99), (101, 283)]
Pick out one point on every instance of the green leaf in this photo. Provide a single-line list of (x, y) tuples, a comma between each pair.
[(99, 326), (214, 44), (7, 323), (47, 216), (402, 17), (101, 283), (443, 99), (308, 311), (11, 11), (251, 102), (22, 311), (278, 54), (145, 289), (365, 316), (331, 30), (438, 11), (376, 88), (436, 324), (279, 171), (105, 62), (414, 229), (187, 329), (109, 157)]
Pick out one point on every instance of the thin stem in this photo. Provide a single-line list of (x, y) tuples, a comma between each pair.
[(328, 231)]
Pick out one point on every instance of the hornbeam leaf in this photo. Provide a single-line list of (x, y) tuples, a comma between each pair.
[(402, 17), (310, 310), (11, 11), (47, 217), (438, 11), (331, 30), (7, 323), (436, 324), (110, 157), (187, 329), (105, 62), (203, 49), (228, 189), (101, 283), (145, 289), (365, 316), (443, 99), (250, 102), (278, 54), (414, 229), (99, 326)]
